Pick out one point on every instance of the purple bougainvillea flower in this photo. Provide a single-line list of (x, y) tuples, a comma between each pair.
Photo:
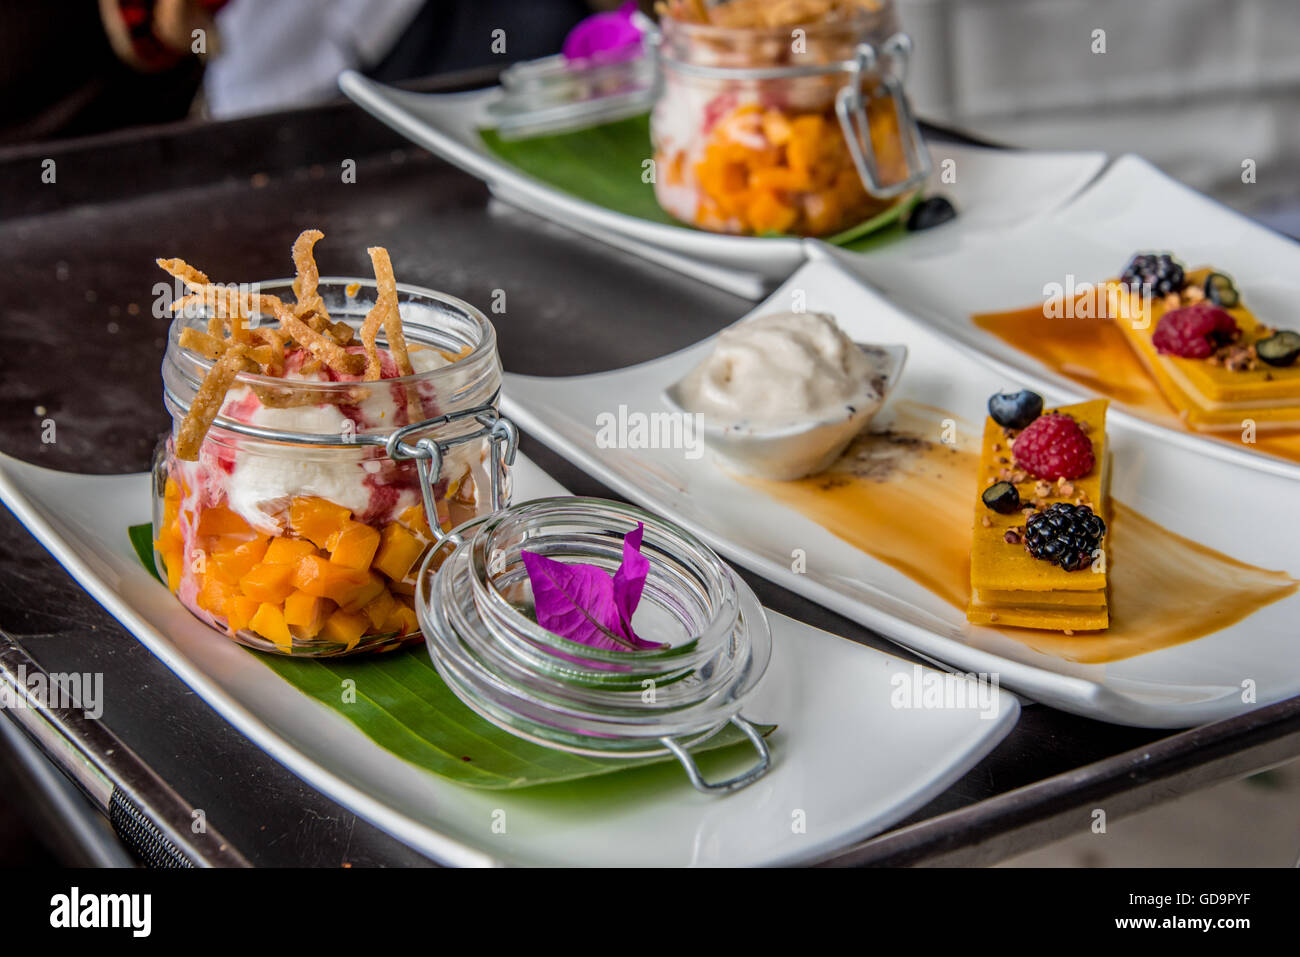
[(584, 604), (605, 36)]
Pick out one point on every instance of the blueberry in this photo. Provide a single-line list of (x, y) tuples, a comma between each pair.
[(1015, 410), (1279, 349), (1002, 497), (929, 213), (1220, 290)]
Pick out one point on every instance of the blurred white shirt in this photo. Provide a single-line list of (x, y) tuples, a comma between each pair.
[(290, 52)]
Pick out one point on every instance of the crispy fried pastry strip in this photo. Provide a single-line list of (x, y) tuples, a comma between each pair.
[(184, 272), (322, 347), (274, 342), (208, 399), (308, 278), (385, 311), (204, 343)]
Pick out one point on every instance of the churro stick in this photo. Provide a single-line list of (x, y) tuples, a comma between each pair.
[(208, 399)]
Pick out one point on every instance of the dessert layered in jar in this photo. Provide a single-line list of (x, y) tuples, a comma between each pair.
[(752, 146), (281, 518)]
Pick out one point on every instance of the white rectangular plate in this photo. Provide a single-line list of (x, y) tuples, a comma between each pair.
[(1132, 207), (991, 188), (1217, 502), (843, 756)]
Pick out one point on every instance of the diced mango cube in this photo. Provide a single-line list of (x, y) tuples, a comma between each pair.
[(171, 502), (288, 551), (345, 627), (354, 545), (358, 596), (317, 575), (316, 519), (380, 609), (232, 564), (404, 621), (305, 614), (271, 584), (268, 621), (214, 593), (220, 520), (240, 610), (398, 552), (413, 518)]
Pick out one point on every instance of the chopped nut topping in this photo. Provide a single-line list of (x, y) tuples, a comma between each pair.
[(1069, 631), (1193, 293), (984, 520), (1173, 300), (1066, 489), (1012, 536), (1042, 488), (1238, 358), (1019, 475)]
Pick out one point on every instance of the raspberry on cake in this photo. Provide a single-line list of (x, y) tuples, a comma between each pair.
[(1042, 565), (1212, 359), (1054, 447)]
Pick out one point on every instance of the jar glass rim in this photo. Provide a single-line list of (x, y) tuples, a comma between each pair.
[(855, 20), (485, 347)]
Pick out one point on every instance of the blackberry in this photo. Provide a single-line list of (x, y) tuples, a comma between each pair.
[(1160, 271), (1065, 535)]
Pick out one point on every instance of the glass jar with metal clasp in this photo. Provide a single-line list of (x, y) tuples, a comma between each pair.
[(801, 130), (299, 527)]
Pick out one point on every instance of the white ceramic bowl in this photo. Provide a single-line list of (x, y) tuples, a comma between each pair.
[(793, 451)]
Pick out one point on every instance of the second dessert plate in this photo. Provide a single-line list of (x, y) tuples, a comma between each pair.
[(1131, 208), (1227, 516), (992, 188)]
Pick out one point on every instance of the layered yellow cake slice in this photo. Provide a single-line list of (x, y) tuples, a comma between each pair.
[(1037, 556), (1213, 360)]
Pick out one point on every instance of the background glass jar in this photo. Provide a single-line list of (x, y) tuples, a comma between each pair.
[(751, 130), (301, 525)]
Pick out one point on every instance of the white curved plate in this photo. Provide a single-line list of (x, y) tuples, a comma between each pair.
[(843, 756), (1214, 501), (992, 188), (1132, 207)]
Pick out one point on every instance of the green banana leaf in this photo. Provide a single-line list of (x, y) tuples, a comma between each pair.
[(402, 704), (603, 165)]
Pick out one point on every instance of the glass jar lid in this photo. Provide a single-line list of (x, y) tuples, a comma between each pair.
[(474, 604)]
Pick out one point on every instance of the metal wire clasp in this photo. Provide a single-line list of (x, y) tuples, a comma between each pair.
[(851, 108), (428, 454), (755, 771)]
